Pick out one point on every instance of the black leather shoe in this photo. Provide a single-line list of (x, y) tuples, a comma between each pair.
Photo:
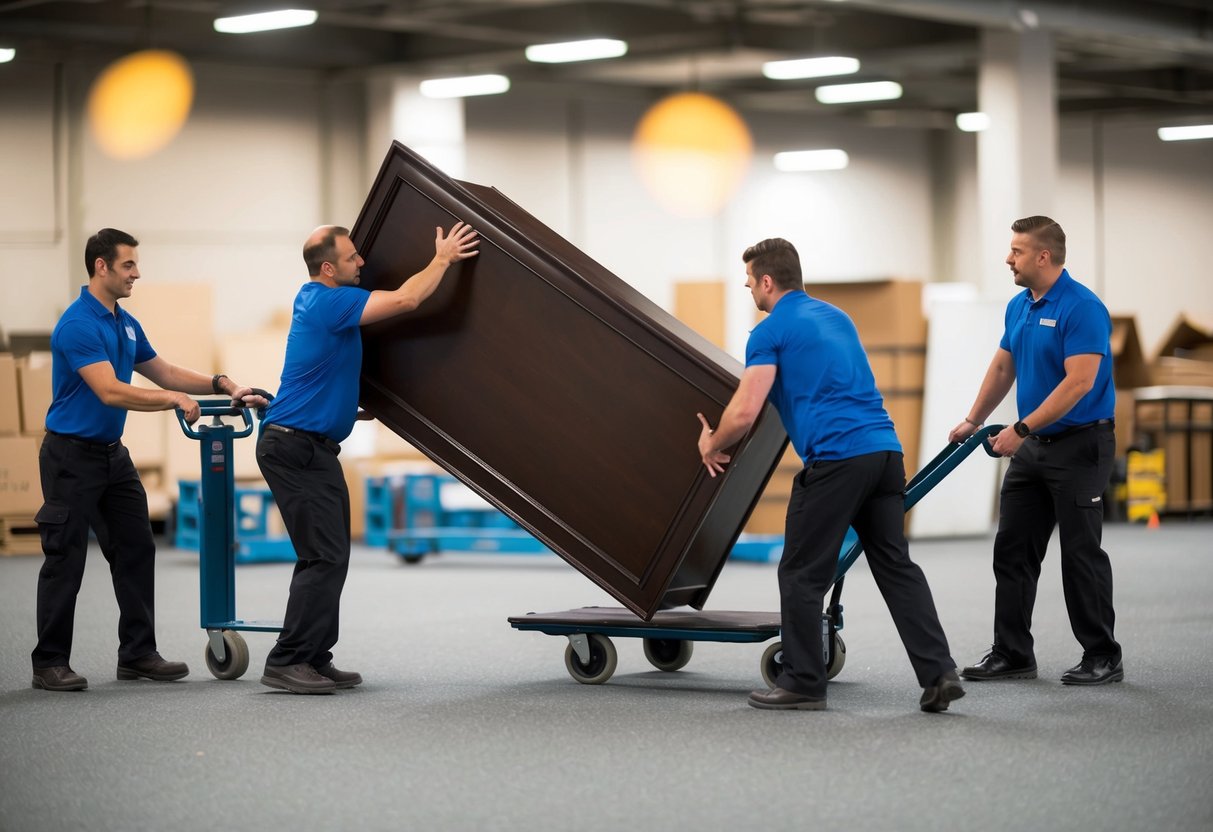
[(58, 678), (946, 689), (778, 699), (342, 678), (1097, 671), (994, 666), (297, 678), (152, 667)]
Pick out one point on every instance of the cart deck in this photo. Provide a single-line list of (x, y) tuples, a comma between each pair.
[(668, 636)]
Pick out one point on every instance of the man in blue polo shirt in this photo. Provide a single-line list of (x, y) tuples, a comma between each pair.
[(806, 358), (87, 475), (316, 408), (1056, 345)]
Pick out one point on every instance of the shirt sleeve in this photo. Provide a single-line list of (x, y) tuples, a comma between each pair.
[(760, 348), (342, 307), (80, 345), (1086, 330), (1005, 341), (143, 347)]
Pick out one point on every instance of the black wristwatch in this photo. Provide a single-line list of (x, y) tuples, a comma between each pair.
[(1021, 429)]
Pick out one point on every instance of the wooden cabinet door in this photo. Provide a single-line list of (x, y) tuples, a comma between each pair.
[(551, 387)]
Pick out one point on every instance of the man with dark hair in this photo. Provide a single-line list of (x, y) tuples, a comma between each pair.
[(316, 408), (806, 358), (88, 478), (1056, 344)]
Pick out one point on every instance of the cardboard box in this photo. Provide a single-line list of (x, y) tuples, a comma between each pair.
[(701, 306), (1126, 421), (1180, 422), (899, 370), (178, 320), (906, 413), (1129, 366), (886, 312), (10, 399), (1187, 335), (35, 391), (1174, 372), (20, 483), (145, 435)]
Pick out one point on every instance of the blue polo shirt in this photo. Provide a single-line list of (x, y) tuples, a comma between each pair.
[(319, 389), (86, 334), (1040, 335), (824, 389)]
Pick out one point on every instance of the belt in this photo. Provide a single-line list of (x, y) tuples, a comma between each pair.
[(319, 438), (1053, 437), (91, 444)]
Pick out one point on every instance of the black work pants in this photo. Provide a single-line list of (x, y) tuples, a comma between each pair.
[(309, 488), (83, 484), (867, 493), (1055, 484)]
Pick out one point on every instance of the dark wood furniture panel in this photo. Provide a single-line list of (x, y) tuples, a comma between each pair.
[(556, 391)]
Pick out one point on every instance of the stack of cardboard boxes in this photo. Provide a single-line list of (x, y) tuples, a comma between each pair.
[(25, 385)]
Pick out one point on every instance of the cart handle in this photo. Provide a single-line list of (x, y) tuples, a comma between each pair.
[(946, 460), (217, 408)]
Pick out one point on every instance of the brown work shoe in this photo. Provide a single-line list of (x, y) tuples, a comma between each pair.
[(153, 667), (58, 678), (342, 678), (297, 678), (778, 699)]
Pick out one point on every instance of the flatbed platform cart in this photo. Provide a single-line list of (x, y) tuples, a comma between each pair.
[(669, 636), (227, 655)]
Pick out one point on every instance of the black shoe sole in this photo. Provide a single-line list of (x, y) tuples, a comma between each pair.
[(38, 684), (797, 706), (282, 684), (128, 674), (1118, 676), (1006, 674)]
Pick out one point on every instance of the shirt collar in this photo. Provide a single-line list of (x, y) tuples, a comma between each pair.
[(1059, 288), (97, 307)]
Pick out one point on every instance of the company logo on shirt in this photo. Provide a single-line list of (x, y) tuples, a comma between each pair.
[(130, 332), (1048, 322)]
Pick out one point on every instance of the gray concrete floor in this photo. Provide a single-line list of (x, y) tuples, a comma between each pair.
[(466, 724)]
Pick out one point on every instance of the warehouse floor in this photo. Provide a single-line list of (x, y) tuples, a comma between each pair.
[(466, 724)]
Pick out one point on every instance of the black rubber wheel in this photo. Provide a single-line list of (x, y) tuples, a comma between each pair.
[(236, 660), (600, 667), (840, 657), (771, 664), (668, 654)]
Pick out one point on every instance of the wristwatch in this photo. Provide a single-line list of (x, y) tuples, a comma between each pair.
[(1021, 429)]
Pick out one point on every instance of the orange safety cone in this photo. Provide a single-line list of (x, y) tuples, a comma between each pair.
[(1153, 522)]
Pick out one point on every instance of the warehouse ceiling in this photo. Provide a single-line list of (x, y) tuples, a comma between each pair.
[(1153, 56)]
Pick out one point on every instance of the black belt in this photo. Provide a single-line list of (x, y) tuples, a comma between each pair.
[(320, 438), (91, 444), (1053, 437)]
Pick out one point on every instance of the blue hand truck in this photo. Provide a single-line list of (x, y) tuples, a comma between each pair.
[(669, 636), (227, 655)]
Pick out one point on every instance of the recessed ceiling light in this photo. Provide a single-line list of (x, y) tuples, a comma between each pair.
[(464, 86), (803, 160), (594, 49), (973, 122), (849, 93), (7, 55), (810, 68), (265, 21), (1186, 133)]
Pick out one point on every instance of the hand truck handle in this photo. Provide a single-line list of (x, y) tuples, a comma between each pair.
[(218, 408)]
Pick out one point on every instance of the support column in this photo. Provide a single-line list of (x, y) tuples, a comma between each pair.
[(431, 127), (1017, 154)]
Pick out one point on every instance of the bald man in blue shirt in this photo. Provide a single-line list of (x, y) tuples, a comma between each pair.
[(807, 360), (1056, 346)]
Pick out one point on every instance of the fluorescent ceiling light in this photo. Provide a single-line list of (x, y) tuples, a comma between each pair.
[(464, 86), (973, 122), (265, 21), (576, 50), (7, 55), (810, 68), (801, 160), (848, 93), (1191, 131)]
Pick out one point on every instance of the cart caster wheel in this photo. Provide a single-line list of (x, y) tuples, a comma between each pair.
[(236, 661), (771, 663), (668, 653), (840, 657), (602, 663), (412, 560)]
